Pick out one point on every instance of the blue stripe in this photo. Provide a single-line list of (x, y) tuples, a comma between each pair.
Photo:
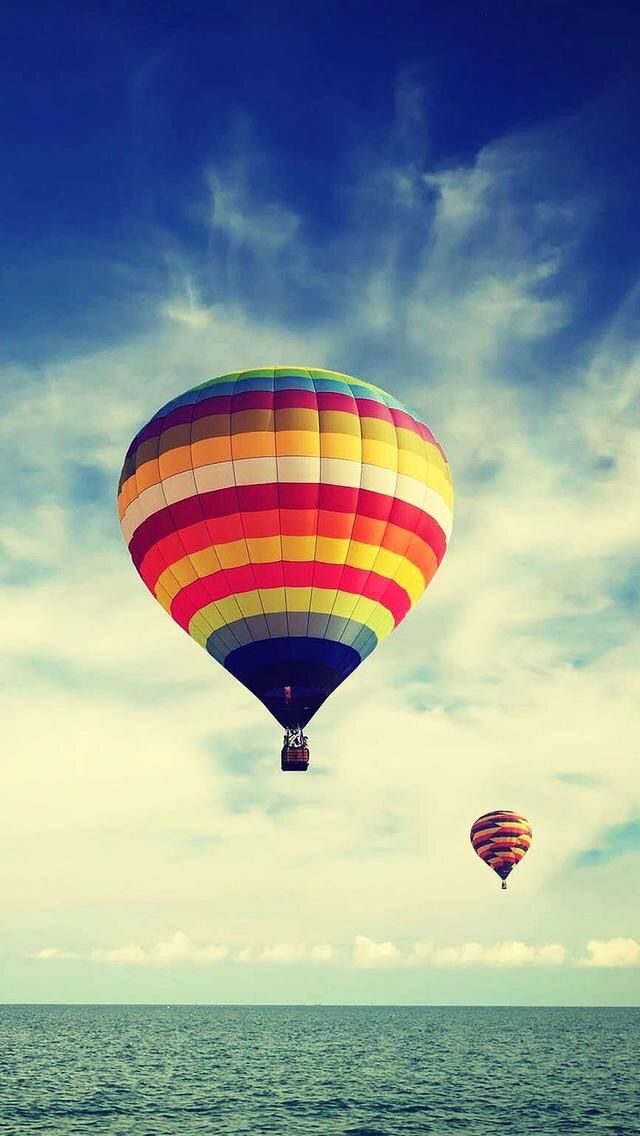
[(311, 668), (298, 624), (294, 382), (332, 386)]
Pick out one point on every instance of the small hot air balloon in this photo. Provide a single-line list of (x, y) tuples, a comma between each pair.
[(501, 839), (287, 519)]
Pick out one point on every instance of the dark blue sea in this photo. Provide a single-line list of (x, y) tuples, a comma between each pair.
[(294, 1070)]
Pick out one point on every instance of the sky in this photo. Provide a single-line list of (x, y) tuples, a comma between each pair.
[(440, 199)]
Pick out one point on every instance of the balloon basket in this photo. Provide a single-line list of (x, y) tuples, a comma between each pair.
[(294, 759)]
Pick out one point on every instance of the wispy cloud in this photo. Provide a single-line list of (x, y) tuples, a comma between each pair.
[(580, 780), (54, 954), (617, 841), (244, 217)]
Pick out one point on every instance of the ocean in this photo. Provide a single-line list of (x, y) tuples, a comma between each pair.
[(297, 1070)]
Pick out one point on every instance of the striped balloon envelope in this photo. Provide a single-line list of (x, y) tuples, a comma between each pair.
[(501, 839), (287, 519)]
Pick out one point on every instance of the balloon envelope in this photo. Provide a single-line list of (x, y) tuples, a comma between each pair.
[(288, 519), (501, 839)]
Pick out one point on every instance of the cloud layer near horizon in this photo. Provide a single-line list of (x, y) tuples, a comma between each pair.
[(365, 954)]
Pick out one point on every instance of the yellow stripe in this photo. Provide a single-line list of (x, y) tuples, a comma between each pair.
[(340, 446), (339, 422), (271, 601), (254, 444), (384, 454), (249, 602), (297, 443), (436, 458), (163, 596), (300, 549), (416, 466)]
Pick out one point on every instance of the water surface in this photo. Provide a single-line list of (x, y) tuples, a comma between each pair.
[(352, 1071)]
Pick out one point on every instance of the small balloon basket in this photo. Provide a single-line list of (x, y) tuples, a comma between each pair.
[(294, 756)]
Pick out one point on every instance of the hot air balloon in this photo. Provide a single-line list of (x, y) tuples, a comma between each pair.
[(287, 519), (501, 839)]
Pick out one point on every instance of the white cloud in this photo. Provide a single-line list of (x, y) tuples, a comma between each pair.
[(612, 953), (367, 953), (287, 953), (179, 948), (507, 954), (421, 954), (281, 953), (169, 952), (323, 952), (129, 955), (47, 954)]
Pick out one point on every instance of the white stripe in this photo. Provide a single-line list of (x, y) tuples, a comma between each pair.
[(439, 510), (306, 469), (340, 471), (218, 475), (380, 479), (179, 486), (255, 471), (411, 490), (150, 501), (266, 470)]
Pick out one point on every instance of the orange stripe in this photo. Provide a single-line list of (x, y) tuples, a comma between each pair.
[(220, 531)]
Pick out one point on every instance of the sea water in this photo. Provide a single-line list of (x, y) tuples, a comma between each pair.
[(297, 1070)]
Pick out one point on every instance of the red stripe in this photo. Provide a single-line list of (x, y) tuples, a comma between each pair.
[(497, 818), (180, 543), (182, 414), (287, 522), (521, 840), (499, 814), (296, 399), (479, 839), (252, 498), (235, 581), (506, 830)]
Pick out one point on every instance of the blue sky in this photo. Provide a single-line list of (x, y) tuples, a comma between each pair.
[(441, 199)]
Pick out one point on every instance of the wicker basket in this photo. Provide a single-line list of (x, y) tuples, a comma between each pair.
[(294, 759)]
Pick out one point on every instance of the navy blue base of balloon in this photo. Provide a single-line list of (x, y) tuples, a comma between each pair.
[(311, 668)]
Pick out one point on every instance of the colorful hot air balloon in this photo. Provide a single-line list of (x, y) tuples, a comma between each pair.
[(501, 839), (287, 519)]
